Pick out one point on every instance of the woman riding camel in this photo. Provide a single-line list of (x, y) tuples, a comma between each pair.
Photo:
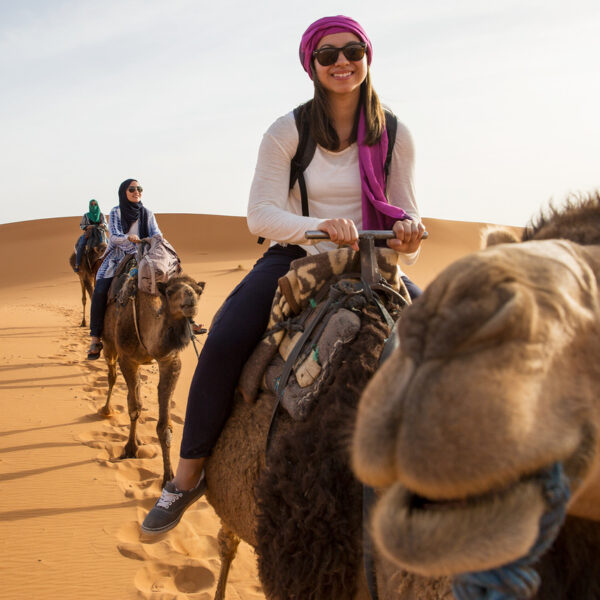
[(347, 191), (92, 218), (128, 222)]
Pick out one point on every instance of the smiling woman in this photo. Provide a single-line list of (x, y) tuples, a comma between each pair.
[(347, 185)]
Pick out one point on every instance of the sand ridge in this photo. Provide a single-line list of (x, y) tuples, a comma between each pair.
[(70, 509)]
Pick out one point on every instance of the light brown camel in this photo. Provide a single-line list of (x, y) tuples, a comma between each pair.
[(163, 325), (496, 378), (90, 264)]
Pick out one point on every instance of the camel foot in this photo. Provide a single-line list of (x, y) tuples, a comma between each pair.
[(83, 324), (106, 411), (167, 477), (130, 451)]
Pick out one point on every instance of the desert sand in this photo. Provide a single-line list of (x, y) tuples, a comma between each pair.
[(69, 509)]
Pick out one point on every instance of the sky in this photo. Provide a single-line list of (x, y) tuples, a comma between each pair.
[(502, 99)]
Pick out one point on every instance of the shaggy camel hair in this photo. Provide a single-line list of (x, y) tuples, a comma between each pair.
[(164, 330), (497, 377), (303, 514), (88, 268)]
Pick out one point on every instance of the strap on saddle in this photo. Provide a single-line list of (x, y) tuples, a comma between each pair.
[(317, 325)]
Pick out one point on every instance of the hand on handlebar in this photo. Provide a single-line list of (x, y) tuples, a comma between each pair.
[(341, 231), (408, 238)]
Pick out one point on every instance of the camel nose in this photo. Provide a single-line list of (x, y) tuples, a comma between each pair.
[(471, 305)]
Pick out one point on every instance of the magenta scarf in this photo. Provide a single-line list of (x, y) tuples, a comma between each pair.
[(377, 212)]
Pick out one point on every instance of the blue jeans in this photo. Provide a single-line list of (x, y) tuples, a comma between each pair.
[(237, 328), (79, 246)]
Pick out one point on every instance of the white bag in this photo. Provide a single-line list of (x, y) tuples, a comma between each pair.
[(158, 262)]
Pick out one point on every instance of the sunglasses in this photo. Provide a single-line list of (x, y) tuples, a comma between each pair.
[(133, 188), (328, 55)]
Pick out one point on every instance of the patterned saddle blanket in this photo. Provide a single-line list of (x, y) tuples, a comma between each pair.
[(310, 282)]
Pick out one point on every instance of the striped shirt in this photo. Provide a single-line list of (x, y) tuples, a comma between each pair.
[(118, 244)]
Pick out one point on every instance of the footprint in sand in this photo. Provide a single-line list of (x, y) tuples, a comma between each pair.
[(167, 579), (169, 563), (97, 439), (131, 471)]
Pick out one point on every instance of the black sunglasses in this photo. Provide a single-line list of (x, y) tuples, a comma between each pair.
[(327, 55), (133, 188)]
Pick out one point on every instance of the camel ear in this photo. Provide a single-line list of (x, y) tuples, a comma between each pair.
[(498, 235), (201, 285), (161, 286)]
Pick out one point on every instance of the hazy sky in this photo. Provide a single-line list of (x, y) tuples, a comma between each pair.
[(502, 99)]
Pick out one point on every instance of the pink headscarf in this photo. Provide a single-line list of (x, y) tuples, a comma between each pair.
[(377, 213), (326, 26)]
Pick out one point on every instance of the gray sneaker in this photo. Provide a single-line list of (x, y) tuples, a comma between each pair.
[(171, 505)]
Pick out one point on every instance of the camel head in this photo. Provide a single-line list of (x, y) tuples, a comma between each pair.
[(496, 378), (182, 294)]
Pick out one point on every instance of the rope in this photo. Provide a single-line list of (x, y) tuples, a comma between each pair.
[(193, 337), (135, 322), (518, 580)]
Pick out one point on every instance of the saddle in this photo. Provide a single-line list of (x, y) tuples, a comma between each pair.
[(124, 285), (315, 313)]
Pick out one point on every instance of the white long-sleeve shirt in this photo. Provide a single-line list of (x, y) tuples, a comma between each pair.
[(333, 184)]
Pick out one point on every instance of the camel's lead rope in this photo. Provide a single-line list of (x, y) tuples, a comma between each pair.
[(518, 580), (135, 322), (192, 335)]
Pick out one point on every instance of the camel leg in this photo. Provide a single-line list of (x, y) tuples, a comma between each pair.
[(169, 370), (228, 545), (83, 300), (111, 363), (134, 404)]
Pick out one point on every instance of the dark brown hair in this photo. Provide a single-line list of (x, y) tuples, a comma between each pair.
[(321, 126)]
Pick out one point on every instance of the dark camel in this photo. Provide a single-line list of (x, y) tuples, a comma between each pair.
[(163, 323), (90, 264)]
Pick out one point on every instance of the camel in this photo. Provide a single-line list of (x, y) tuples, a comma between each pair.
[(496, 378), (89, 267), (143, 328), (240, 484)]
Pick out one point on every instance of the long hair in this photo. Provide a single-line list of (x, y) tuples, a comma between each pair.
[(321, 126)]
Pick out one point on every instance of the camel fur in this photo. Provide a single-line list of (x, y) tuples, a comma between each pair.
[(496, 378), (164, 331), (88, 268), (302, 514), (241, 487)]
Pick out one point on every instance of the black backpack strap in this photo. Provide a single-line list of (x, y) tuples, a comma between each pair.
[(391, 126), (304, 154)]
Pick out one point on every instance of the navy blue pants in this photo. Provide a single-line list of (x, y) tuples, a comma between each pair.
[(79, 246), (237, 328), (99, 305)]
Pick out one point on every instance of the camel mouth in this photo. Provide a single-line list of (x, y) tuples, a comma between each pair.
[(480, 531), (189, 311), (435, 537)]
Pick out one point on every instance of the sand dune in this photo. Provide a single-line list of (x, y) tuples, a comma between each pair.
[(70, 510)]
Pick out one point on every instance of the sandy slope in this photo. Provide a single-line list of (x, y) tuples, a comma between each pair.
[(69, 510)]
